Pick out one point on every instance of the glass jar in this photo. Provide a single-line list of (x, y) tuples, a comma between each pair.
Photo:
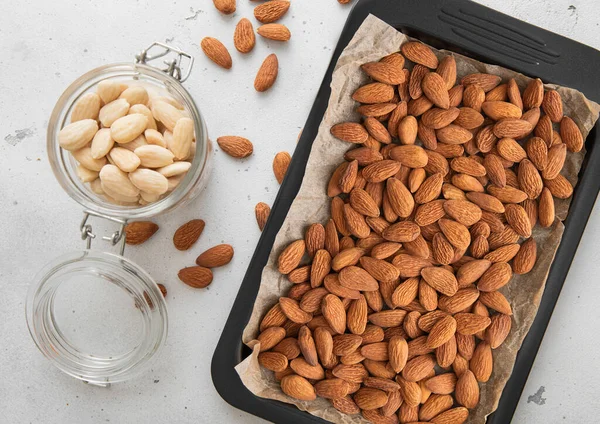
[(96, 315)]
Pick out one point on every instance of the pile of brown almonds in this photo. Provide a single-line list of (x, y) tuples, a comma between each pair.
[(133, 149), (244, 38), (398, 312)]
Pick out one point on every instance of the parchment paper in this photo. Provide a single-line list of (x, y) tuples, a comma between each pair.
[(373, 40)]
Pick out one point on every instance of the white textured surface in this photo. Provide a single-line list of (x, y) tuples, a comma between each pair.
[(46, 45)]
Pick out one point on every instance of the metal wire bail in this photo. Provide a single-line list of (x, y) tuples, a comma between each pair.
[(174, 64), (87, 233)]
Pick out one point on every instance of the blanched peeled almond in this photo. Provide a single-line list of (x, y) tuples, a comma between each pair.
[(169, 100), (192, 152), (84, 157), (109, 90), (175, 168), (139, 141), (125, 159), (112, 111), (86, 175), (154, 137), (76, 135), (96, 186), (168, 137), (166, 113), (149, 181), (120, 199), (183, 135), (86, 107), (149, 197), (152, 156), (135, 95), (174, 181), (144, 111), (102, 143), (117, 184), (127, 128)]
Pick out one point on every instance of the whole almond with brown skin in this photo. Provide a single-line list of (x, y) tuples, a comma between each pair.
[(552, 105), (270, 337), (436, 118), (267, 73), (487, 82), (234, 146), (435, 405), (404, 231), (333, 388), (485, 139), (324, 346), (377, 130), (405, 292), (434, 87), (453, 134), (533, 94), (243, 37), (480, 247), (447, 70), (357, 316), (303, 368), (345, 404), (400, 198), (544, 130), (501, 110), (560, 187), (273, 361), (381, 171), (292, 310), (546, 212), (443, 251), (347, 257), (456, 233), (440, 279), (277, 32), (430, 189), (518, 219), (271, 11), (410, 390), (274, 318), (571, 134), (472, 271), (509, 149), (216, 51), (495, 170), (288, 347), (334, 312), (512, 128), (187, 234), (441, 332), (526, 257), (225, 6), (531, 208), (473, 97), (467, 390), (498, 94), (351, 373), (378, 109), (418, 368), (442, 384), (281, 162), (481, 363), (503, 253), (350, 132), (307, 346), (139, 231), (463, 211), (446, 353), (314, 239), (453, 416), (368, 398), (355, 222), (384, 72), (468, 324), (388, 318), (196, 276), (407, 130), (398, 353), (420, 53), (262, 211), (556, 160), (461, 300), (298, 387), (469, 118), (375, 92), (530, 180), (429, 213), (291, 256), (514, 94), (216, 256)]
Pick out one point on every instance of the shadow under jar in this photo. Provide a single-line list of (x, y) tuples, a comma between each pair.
[(98, 316)]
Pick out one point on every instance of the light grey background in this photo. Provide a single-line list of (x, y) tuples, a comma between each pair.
[(45, 45)]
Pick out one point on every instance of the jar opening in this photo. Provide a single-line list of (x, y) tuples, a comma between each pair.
[(97, 316)]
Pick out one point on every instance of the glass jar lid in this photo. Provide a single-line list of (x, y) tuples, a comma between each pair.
[(96, 316)]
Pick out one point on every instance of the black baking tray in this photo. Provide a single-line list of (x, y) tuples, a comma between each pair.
[(472, 30)]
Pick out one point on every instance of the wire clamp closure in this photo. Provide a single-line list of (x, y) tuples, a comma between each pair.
[(87, 234)]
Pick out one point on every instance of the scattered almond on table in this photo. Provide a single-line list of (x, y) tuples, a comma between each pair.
[(281, 162), (187, 234), (398, 310)]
